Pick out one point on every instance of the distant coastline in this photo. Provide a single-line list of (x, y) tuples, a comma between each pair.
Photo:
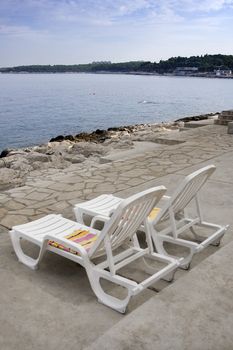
[(201, 75), (207, 66)]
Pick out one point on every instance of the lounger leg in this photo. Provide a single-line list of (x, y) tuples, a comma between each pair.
[(104, 298), (23, 258), (217, 242), (79, 216)]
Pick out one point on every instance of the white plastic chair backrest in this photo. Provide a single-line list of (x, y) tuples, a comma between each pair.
[(127, 219), (187, 190)]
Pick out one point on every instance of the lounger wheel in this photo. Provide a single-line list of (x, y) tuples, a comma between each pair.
[(170, 277), (185, 266), (217, 242)]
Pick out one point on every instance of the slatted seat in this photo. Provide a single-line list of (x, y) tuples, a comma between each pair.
[(83, 237), (98, 209)]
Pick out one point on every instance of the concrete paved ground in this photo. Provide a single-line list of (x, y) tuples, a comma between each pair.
[(194, 313), (55, 307), (52, 308)]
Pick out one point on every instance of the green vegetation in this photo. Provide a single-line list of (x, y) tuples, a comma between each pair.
[(206, 63)]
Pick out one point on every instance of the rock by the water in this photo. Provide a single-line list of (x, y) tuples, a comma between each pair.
[(100, 132), (37, 157), (22, 165), (5, 152), (58, 138), (113, 129), (74, 158), (69, 137), (88, 149), (196, 117), (2, 163), (10, 177)]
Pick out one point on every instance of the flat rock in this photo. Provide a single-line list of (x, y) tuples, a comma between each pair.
[(39, 196), (9, 176), (2, 163), (37, 157), (74, 158), (88, 148), (22, 165), (26, 212), (12, 220), (3, 212), (14, 205)]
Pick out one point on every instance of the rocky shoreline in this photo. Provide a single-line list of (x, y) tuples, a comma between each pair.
[(63, 151)]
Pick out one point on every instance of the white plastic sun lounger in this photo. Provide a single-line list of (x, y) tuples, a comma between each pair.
[(82, 244), (172, 213)]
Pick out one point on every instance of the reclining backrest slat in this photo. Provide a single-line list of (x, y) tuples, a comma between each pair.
[(126, 225), (189, 192), (186, 191), (130, 224), (127, 219)]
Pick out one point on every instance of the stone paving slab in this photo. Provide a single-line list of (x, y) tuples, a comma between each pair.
[(44, 191)]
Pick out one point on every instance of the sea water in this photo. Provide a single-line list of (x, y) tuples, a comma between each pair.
[(37, 107)]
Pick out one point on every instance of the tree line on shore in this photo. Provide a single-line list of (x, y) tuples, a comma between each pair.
[(205, 63)]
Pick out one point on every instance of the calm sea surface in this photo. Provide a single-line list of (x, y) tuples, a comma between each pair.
[(36, 107)]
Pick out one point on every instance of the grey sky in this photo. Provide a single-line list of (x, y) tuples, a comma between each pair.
[(78, 31)]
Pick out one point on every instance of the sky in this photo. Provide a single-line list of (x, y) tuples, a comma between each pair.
[(83, 31)]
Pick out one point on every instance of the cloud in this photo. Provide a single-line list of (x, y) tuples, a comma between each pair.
[(15, 30), (105, 12), (86, 30), (202, 5)]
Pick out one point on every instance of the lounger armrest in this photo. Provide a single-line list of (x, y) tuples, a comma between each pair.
[(178, 241), (67, 243), (165, 198), (100, 218)]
